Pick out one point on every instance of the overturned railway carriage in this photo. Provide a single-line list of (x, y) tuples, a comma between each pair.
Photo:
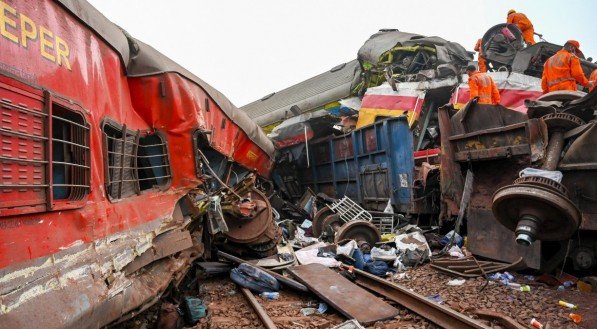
[(536, 218), (99, 142)]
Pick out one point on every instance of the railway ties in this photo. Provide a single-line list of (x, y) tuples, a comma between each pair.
[(405, 299), (261, 313), (441, 315)]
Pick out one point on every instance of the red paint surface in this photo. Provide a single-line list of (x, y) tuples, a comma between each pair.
[(427, 153), (511, 98), (96, 81), (389, 102)]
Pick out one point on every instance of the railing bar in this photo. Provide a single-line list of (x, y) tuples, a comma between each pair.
[(122, 157), (151, 156), (118, 153), (70, 185), (134, 180), (121, 139), (71, 143), (166, 165), (136, 161), (70, 164), (71, 122), (162, 144)]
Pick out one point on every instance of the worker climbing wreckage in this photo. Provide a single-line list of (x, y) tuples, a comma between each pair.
[(524, 24), (563, 71), (409, 187), (481, 86), (480, 58)]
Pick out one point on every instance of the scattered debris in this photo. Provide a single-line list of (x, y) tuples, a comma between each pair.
[(254, 279), (469, 267), (456, 282), (346, 297)]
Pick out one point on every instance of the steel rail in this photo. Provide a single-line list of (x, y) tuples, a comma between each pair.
[(439, 314), (261, 313)]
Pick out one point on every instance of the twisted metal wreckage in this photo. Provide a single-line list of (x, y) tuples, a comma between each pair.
[(111, 156), (372, 158), (120, 168)]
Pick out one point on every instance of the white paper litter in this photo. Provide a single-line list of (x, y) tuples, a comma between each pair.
[(456, 282), (412, 241), (308, 255), (381, 254)]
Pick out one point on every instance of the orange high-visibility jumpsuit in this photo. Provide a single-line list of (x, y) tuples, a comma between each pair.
[(561, 72), (482, 62), (525, 25), (593, 80), (481, 85)]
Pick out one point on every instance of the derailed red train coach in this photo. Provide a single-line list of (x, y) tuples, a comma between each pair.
[(99, 135)]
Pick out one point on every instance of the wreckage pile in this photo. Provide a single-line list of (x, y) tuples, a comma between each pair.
[(374, 269), (418, 215)]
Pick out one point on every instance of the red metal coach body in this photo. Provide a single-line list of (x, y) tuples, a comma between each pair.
[(98, 142)]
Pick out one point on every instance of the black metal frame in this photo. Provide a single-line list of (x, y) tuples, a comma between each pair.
[(115, 174)]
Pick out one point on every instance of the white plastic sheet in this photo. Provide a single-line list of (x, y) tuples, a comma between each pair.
[(553, 175)]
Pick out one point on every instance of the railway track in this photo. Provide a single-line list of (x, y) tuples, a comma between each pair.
[(414, 304), (439, 314)]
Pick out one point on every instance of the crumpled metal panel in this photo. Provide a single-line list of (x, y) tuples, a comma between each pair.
[(346, 297), (329, 86), (86, 285), (477, 117), (581, 153), (380, 42)]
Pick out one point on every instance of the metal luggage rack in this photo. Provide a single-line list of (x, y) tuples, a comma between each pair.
[(348, 210)]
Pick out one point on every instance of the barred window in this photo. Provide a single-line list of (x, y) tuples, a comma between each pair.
[(44, 152), (134, 162), (70, 154), (153, 167)]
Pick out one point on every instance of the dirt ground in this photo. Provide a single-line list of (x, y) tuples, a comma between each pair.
[(540, 303), (228, 308)]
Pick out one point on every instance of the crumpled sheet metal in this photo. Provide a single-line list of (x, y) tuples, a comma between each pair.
[(383, 41), (582, 151), (85, 285)]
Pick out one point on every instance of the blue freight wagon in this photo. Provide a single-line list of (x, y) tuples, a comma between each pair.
[(370, 165)]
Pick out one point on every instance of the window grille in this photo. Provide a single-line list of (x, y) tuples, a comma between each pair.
[(44, 153), (134, 163), (70, 155), (121, 145), (153, 167)]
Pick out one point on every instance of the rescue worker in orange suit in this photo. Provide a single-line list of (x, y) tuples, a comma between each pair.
[(482, 62), (524, 24), (481, 86), (593, 80), (562, 71)]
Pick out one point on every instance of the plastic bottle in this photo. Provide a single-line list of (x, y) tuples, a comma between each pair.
[(536, 324), (269, 295), (308, 311), (568, 284), (566, 304), (577, 318)]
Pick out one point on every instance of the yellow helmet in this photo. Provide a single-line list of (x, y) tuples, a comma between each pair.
[(511, 11)]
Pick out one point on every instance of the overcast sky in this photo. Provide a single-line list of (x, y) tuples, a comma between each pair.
[(250, 48)]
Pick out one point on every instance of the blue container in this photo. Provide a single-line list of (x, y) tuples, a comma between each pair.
[(370, 165)]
